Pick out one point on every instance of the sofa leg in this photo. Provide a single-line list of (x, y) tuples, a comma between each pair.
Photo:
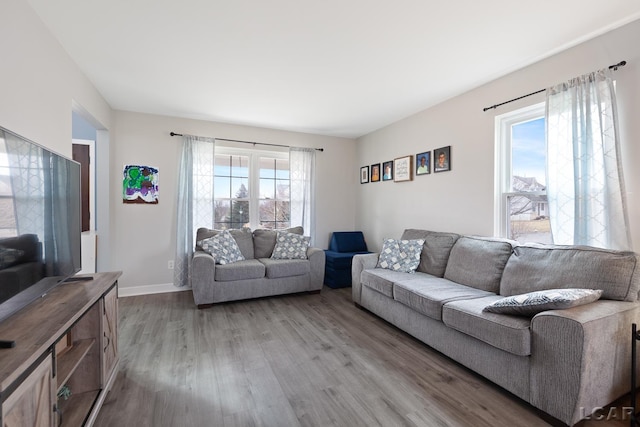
[(314, 292), (201, 306), (358, 306)]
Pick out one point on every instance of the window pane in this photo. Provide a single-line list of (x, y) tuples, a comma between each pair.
[(222, 210), (240, 188), (282, 211), (222, 165), (528, 156), (222, 188), (280, 225), (529, 218), (240, 166), (267, 167), (282, 189), (239, 214), (267, 210), (267, 190)]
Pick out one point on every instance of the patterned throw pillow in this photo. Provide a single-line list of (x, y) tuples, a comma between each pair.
[(9, 256), (532, 303), (400, 255), (290, 246), (223, 248)]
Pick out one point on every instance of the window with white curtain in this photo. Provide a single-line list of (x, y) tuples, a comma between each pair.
[(521, 197), (251, 189)]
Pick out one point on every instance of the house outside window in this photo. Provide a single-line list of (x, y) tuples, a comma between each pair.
[(521, 198), (251, 189)]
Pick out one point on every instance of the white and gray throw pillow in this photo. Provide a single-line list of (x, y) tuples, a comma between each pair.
[(290, 246), (223, 248), (400, 255), (532, 303)]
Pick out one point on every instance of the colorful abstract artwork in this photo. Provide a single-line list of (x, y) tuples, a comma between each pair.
[(140, 185)]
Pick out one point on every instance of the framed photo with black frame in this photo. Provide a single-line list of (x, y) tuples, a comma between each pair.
[(442, 159), (375, 172), (364, 174), (423, 163), (387, 171)]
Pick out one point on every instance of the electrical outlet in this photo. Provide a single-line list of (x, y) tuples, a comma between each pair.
[(170, 264)]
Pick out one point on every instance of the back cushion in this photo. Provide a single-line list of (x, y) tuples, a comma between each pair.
[(478, 262), (540, 267), (242, 236), (264, 240), (436, 249)]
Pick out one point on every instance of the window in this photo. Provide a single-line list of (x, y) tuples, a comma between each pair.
[(251, 188), (521, 198)]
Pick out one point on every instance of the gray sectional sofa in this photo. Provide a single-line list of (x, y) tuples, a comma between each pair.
[(567, 362), (257, 275)]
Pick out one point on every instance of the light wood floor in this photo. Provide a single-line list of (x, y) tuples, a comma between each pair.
[(301, 360)]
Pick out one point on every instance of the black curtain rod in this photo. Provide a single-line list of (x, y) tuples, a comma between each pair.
[(613, 67), (246, 142)]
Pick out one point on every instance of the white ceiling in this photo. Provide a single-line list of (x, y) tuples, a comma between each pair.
[(331, 67)]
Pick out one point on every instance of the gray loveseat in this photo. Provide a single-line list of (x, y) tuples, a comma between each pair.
[(256, 276), (567, 362)]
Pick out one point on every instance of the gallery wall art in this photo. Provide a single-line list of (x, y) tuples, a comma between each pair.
[(140, 185)]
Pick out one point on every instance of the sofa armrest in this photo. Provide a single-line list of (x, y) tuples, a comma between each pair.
[(581, 357), (316, 258), (203, 270), (358, 265)]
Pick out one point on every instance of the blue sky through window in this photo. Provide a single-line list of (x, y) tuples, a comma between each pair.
[(528, 149)]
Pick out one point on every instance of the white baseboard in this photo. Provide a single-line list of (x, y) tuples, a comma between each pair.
[(149, 289)]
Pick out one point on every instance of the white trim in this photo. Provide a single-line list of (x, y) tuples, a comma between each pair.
[(131, 291)]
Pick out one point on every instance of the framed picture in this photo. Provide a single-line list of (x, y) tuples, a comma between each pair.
[(375, 172), (423, 163), (402, 169), (387, 170), (442, 159), (364, 174)]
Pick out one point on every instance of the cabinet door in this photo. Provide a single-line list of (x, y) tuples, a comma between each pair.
[(110, 333), (31, 404)]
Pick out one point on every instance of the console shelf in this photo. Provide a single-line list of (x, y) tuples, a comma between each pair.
[(68, 337)]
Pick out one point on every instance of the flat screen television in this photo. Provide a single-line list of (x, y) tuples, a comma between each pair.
[(40, 221)]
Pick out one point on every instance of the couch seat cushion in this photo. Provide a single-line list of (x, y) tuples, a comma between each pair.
[(428, 294), (381, 279), (508, 333), (241, 270), (285, 267)]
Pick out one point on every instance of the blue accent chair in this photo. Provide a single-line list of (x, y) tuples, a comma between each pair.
[(343, 246)]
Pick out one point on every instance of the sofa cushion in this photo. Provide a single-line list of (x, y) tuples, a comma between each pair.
[(400, 255), (241, 270), (223, 248), (508, 333), (285, 267), (532, 303), (436, 249), (381, 279), (290, 246), (242, 236), (529, 268), (264, 240), (478, 262), (428, 294)]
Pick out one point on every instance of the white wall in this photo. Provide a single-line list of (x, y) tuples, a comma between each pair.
[(39, 82), (462, 200), (143, 237)]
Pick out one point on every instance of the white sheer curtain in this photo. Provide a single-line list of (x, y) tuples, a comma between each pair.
[(194, 201), (302, 171), (585, 185)]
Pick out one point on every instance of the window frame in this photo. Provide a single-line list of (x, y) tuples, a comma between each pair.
[(254, 156), (503, 170)]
